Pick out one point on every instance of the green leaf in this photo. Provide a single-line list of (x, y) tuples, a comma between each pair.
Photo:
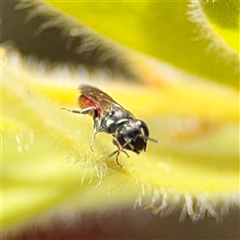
[(191, 36)]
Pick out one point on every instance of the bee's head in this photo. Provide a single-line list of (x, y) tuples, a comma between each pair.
[(133, 135)]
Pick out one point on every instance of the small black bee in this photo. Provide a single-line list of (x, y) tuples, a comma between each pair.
[(108, 116)]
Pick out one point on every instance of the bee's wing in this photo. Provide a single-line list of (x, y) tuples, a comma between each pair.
[(99, 98)]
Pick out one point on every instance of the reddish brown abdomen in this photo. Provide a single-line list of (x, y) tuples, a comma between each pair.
[(85, 102)]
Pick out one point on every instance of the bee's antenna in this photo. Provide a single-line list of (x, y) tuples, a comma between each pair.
[(151, 139)]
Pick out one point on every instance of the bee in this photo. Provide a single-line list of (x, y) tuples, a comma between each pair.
[(110, 117)]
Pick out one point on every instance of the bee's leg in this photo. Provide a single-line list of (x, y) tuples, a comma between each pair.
[(117, 152), (117, 159), (95, 120), (93, 139), (95, 128), (119, 146), (83, 111), (120, 149)]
